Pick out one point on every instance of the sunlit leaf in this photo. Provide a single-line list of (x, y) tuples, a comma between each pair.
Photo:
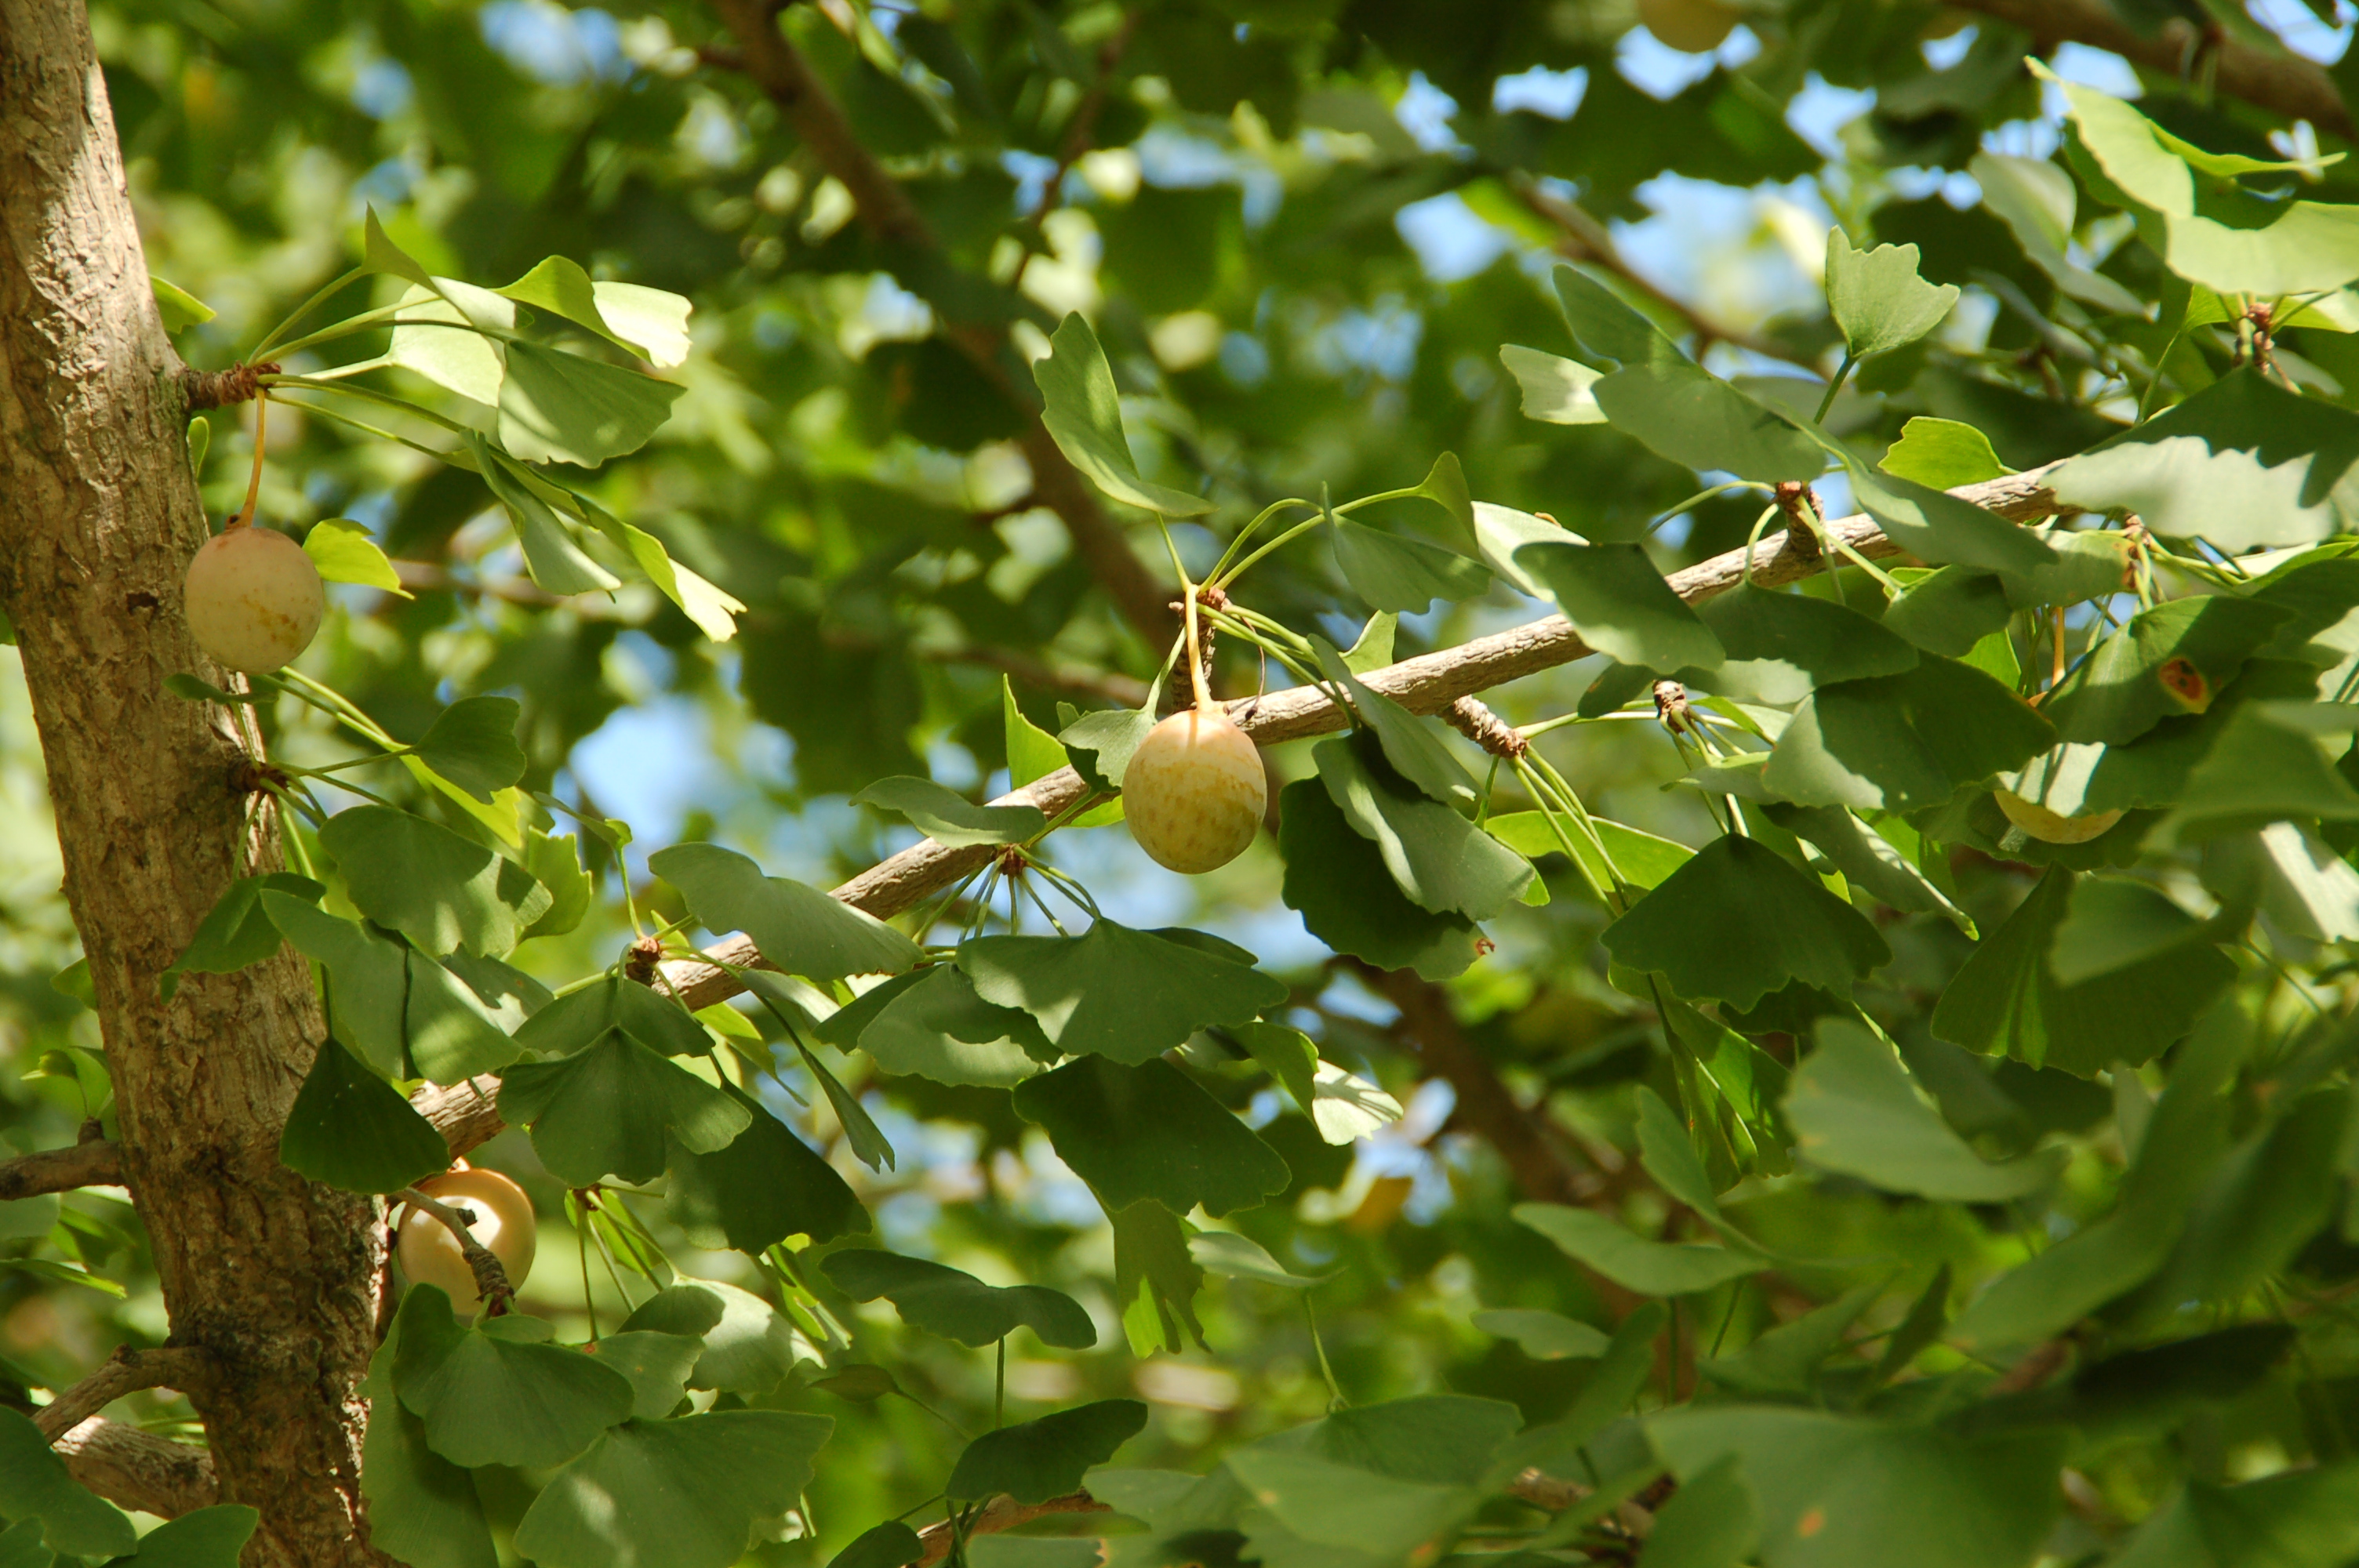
[(1148, 1131), (1879, 302), (1739, 921), (800, 929), (1084, 417)]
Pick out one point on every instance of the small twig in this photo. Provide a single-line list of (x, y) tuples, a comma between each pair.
[(90, 1163), (491, 1277), (1472, 719), (221, 388), (127, 1371)]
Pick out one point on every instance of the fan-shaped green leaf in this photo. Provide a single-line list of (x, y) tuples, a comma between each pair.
[(938, 1028), (1779, 647), (1099, 744), (1556, 391), (1084, 417), (473, 743), (1337, 880), (1235, 1257), (1686, 414), (749, 1345), (1739, 921), (1841, 1492), (204, 1538), (351, 1128), (2169, 660), (562, 408), (1942, 454), (1621, 605), (1544, 1336), (1937, 526), (1866, 859), (1906, 742), (1415, 752), (367, 995), (35, 1484), (889, 1545), (1651, 1268), (1116, 992), (1605, 327), (1855, 1109), (657, 1365), (1035, 1460), (2299, 1518), (341, 551), (495, 1400), (605, 1112), (948, 818), (1879, 300), (1440, 860), (798, 928), (2243, 464), (690, 1493), (2006, 1001), (955, 1304), (2034, 198), (1398, 573), (762, 1186), (423, 1509), (445, 331), (437, 889), (1149, 1131), (237, 931), (1950, 610)]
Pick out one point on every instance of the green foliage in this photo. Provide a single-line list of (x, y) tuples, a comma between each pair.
[(1813, 1134)]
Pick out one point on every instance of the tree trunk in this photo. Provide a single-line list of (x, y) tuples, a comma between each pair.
[(277, 1278)]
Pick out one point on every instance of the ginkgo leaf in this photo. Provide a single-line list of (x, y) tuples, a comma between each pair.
[(955, 1304), (1114, 993), (1084, 417), (488, 1400), (1651, 1268), (1148, 1131), (800, 929), (1739, 921), (1621, 605), (1035, 1460), (1879, 300), (688, 1493), (606, 1110), (1855, 1109)]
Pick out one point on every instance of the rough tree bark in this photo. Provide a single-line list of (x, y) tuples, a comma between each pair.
[(274, 1281)]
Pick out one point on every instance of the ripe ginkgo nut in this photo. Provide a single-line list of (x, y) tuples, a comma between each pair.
[(1194, 790), (2051, 827), (504, 1223), (253, 599), (1696, 27)]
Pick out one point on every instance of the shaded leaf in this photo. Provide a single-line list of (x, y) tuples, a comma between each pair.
[(938, 1028), (562, 408), (1116, 992), (1738, 922), (1149, 1131), (556, 561), (1035, 1460), (690, 1493), (1404, 575), (1099, 744), (605, 1112), (2004, 1001), (1855, 1109), (1544, 1336), (1440, 860), (351, 1128), (1651, 1268), (237, 931), (366, 973), (749, 1347), (473, 743), (956, 1306), (1409, 744), (658, 1366), (1347, 898), (1621, 605), (436, 888), (761, 1186), (1937, 526), (35, 1484), (488, 1400), (1779, 647), (1902, 743)]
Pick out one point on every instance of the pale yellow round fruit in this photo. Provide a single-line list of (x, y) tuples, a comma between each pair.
[(1696, 27), (253, 599), (504, 1223), (1193, 794), (2046, 826)]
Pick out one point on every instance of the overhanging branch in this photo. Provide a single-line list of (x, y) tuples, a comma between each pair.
[(2282, 83), (1426, 684), (126, 1371)]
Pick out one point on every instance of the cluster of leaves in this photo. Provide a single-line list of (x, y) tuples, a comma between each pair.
[(1921, 1092)]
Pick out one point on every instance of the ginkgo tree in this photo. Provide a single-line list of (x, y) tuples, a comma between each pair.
[(1628, 939)]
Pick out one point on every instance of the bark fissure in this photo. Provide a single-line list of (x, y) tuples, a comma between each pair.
[(272, 1280)]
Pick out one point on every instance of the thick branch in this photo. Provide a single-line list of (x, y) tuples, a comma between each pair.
[(466, 1114), (126, 1371), (2282, 83), (1426, 684), (94, 1165), (134, 1469)]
